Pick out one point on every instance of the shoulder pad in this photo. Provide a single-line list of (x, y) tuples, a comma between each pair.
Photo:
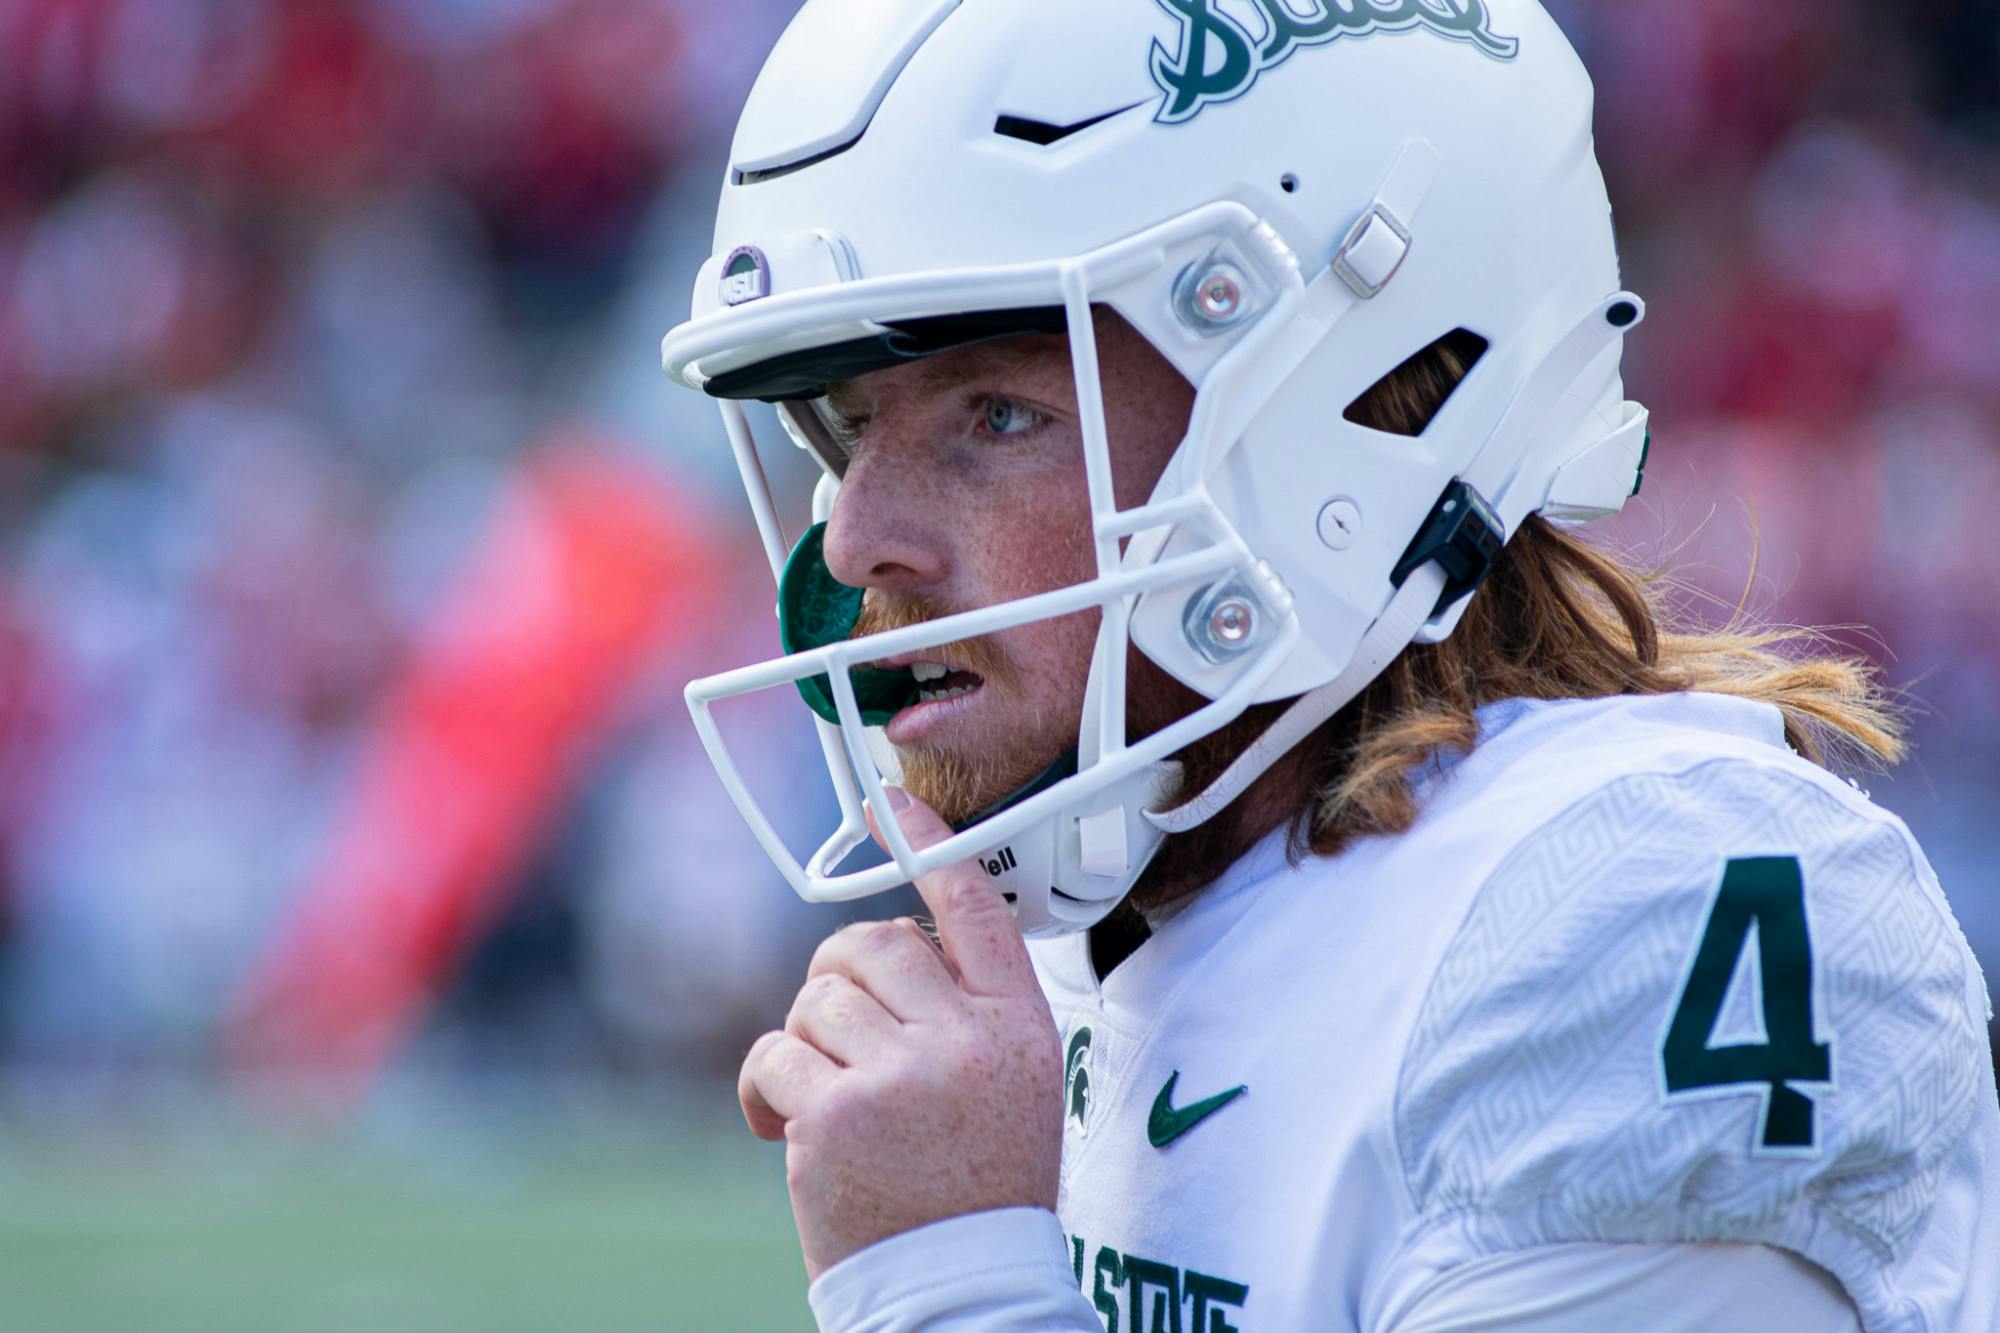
[(1725, 1003)]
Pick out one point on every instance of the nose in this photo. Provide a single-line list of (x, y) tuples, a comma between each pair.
[(887, 526)]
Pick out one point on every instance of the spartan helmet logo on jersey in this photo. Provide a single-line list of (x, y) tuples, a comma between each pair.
[(1076, 1076), (922, 175)]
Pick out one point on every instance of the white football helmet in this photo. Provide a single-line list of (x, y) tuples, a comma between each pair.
[(1288, 199)]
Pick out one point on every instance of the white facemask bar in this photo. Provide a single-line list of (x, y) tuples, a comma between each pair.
[(740, 334), (777, 548), (836, 660), (1114, 592), (1114, 629)]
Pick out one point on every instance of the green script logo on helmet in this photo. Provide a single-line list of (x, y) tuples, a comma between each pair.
[(1220, 58)]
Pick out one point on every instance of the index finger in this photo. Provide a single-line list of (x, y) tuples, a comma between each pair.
[(975, 922)]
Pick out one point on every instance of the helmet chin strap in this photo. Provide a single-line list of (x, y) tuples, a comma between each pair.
[(1392, 632)]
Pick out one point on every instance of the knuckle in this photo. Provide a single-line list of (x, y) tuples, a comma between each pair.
[(829, 1002), (967, 897), (806, 1004), (818, 989), (847, 937), (880, 937), (760, 1050), (827, 955), (789, 1060), (842, 1007)]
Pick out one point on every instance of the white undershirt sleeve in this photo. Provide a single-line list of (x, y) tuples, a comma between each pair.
[(1001, 1270), (1674, 1288)]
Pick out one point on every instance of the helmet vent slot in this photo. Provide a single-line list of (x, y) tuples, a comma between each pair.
[(742, 177), (1407, 399), (1042, 133)]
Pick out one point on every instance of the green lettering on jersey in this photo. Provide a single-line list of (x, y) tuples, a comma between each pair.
[(1213, 1298), (1109, 1265), (1162, 1282), (1767, 894), (1149, 1296)]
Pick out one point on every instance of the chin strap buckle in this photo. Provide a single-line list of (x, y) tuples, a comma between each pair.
[(1463, 535)]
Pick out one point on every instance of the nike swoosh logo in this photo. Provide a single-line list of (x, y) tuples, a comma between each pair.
[(1166, 1124)]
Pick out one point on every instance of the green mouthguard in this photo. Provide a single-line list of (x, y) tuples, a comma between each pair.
[(816, 609)]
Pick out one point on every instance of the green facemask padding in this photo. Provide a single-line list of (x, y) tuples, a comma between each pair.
[(816, 609)]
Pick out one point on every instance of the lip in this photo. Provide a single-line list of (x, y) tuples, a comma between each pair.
[(923, 721), (904, 661)]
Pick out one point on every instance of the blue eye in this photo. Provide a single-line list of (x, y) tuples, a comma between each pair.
[(1004, 417)]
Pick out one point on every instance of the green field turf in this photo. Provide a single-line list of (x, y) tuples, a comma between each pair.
[(440, 1217)]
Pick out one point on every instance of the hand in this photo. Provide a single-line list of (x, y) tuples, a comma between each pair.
[(912, 1082)]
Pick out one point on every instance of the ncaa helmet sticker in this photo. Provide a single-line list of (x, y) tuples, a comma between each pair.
[(746, 276), (1220, 57)]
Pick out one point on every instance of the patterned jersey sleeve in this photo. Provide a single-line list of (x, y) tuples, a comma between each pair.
[(1722, 1004)]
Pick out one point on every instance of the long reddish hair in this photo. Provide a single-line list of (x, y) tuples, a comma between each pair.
[(1559, 618)]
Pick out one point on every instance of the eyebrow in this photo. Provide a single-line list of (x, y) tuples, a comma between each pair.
[(977, 362), (940, 375), (845, 398)]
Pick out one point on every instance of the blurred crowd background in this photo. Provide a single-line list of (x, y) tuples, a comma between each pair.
[(354, 550)]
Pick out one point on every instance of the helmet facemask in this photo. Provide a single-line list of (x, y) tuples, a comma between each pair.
[(1103, 789), (1286, 554)]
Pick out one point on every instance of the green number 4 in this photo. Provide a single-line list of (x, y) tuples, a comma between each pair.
[(1768, 894)]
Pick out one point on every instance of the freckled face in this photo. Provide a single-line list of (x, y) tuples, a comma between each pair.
[(966, 488)]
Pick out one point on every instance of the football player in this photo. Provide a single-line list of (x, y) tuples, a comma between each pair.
[(1354, 907)]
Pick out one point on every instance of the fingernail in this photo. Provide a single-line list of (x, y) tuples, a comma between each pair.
[(898, 798)]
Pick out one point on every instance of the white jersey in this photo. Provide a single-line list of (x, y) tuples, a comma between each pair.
[(1638, 974)]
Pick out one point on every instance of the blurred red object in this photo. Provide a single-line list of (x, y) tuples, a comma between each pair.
[(588, 566)]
